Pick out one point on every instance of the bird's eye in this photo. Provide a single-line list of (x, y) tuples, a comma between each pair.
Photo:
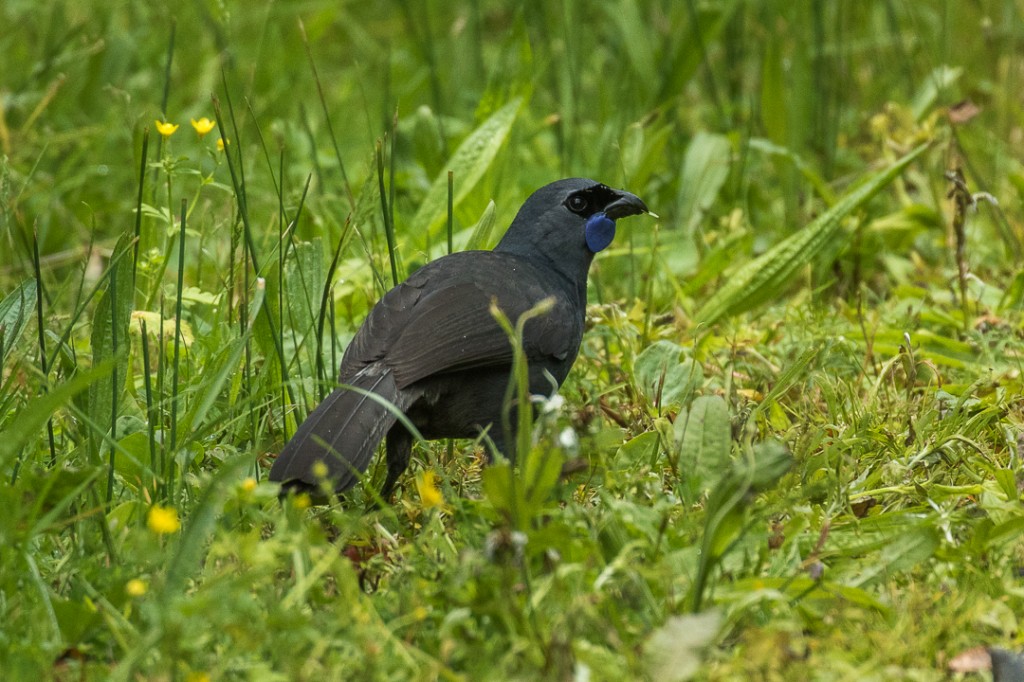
[(577, 204)]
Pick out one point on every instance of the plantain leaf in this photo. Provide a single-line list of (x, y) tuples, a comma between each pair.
[(765, 277), (469, 162), (703, 437), (663, 377), (705, 168), (113, 314)]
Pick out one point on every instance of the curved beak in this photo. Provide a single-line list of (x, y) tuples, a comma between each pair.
[(626, 205)]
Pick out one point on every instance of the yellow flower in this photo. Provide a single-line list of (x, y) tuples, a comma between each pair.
[(135, 587), (221, 143), (166, 129), (249, 484), (203, 126), (163, 520), (302, 501), (319, 470), (426, 485), (197, 677)]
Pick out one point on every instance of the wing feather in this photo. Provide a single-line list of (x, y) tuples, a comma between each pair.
[(440, 320)]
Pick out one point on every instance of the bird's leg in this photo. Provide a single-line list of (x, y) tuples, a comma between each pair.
[(398, 450)]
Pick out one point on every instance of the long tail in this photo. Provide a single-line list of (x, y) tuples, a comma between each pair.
[(342, 432)]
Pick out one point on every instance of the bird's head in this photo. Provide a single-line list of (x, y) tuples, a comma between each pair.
[(569, 221)]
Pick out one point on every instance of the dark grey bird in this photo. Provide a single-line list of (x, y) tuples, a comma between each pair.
[(432, 350)]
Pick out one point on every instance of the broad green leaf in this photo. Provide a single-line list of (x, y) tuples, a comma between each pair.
[(646, 445), (303, 282), (764, 278), (469, 163), (705, 168), (112, 316), (703, 438), (16, 310), (663, 378), (131, 459)]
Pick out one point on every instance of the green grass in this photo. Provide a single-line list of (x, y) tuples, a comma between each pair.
[(795, 426)]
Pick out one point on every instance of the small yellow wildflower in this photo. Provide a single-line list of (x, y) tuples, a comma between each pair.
[(166, 129), (249, 484), (163, 520), (203, 126), (197, 677), (221, 143), (302, 501), (430, 495), (319, 470), (135, 587)]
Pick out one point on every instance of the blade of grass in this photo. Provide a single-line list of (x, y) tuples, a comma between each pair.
[(114, 385), (389, 227), (176, 357), (325, 303), (42, 345), (138, 206)]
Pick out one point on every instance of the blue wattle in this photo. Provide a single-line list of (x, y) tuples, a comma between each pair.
[(600, 231)]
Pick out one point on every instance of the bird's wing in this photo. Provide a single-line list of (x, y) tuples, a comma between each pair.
[(439, 322), (453, 329)]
